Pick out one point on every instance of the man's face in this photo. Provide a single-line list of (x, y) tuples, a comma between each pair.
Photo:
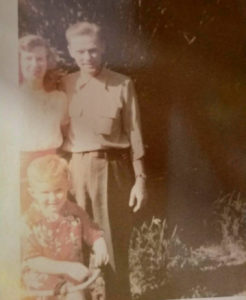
[(87, 51), (49, 197)]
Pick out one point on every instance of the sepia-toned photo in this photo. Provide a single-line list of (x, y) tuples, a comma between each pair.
[(132, 149)]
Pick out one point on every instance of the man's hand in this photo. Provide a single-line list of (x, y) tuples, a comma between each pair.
[(101, 252), (138, 195), (77, 271)]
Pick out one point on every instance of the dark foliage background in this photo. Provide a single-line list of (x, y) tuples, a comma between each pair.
[(188, 62)]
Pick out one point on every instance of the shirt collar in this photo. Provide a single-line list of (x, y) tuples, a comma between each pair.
[(101, 78)]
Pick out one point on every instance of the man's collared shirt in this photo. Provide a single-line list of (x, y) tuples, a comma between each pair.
[(103, 113)]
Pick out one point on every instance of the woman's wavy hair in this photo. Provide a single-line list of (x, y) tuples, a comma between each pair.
[(28, 43)]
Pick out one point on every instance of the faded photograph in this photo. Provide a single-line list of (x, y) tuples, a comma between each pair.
[(132, 161)]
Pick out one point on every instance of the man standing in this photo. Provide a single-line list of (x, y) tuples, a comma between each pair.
[(106, 144)]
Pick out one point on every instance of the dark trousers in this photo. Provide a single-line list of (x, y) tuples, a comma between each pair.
[(102, 182)]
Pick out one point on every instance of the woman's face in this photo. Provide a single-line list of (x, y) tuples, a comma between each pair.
[(33, 63)]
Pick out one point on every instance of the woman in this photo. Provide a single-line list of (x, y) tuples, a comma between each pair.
[(44, 111)]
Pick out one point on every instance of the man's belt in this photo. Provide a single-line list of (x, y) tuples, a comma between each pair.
[(110, 154)]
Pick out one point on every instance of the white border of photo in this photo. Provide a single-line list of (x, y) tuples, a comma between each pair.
[(9, 157)]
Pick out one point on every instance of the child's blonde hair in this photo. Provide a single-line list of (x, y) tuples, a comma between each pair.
[(50, 169)]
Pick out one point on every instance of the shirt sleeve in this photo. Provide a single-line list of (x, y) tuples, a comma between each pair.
[(29, 245), (131, 120)]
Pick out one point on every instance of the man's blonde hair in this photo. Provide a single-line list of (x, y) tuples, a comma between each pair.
[(50, 169), (84, 28)]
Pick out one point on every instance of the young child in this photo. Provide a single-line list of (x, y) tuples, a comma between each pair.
[(54, 231)]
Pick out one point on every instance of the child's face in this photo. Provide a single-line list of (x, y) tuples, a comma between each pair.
[(49, 197)]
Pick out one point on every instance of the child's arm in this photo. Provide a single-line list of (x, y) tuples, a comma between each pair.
[(32, 257), (101, 253), (93, 236), (73, 270)]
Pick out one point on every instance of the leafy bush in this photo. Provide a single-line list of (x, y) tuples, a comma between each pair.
[(231, 217), (153, 255)]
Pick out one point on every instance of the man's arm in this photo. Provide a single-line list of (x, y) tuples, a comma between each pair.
[(138, 194), (132, 126), (65, 115), (65, 107)]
